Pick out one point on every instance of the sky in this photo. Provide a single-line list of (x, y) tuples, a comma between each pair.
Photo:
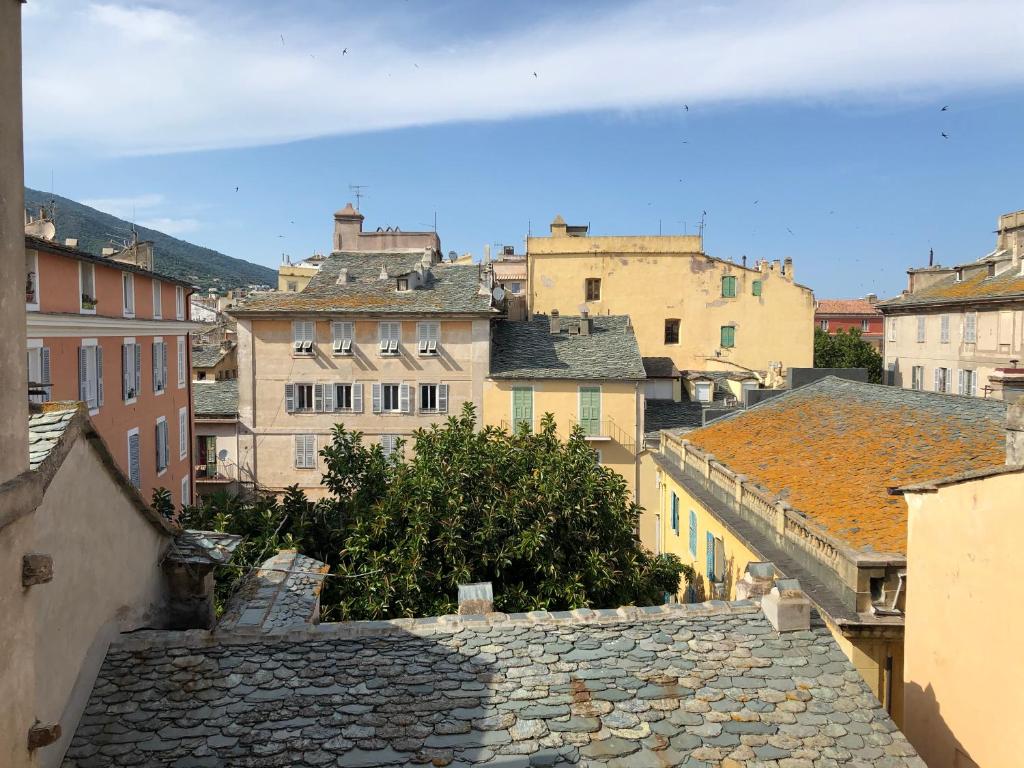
[(811, 129)]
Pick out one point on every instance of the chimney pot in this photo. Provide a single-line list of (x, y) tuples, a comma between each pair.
[(556, 322), (476, 599)]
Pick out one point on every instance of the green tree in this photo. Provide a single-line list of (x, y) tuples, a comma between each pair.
[(847, 349), (535, 516)]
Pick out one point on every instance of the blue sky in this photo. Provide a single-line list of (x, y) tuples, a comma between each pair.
[(813, 129)]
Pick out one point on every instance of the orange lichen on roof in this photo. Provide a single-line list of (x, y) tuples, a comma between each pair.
[(834, 460), (977, 286), (846, 307)]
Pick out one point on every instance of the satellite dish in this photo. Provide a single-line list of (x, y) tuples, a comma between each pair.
[(222, 454), (498, 294)]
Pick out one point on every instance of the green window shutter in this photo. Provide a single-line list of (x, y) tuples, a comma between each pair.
[(729, 286), (590, 410), (757, 288), (710, 556), (522, 407), (693, 533), (728, 336)]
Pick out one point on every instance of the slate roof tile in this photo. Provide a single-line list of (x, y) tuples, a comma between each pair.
[(976, 285), (44, 432), (208, 355), (215, 398)]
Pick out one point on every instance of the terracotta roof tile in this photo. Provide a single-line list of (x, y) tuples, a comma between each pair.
[(845, 307)]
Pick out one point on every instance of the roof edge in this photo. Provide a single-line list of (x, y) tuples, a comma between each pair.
[(932, 486)]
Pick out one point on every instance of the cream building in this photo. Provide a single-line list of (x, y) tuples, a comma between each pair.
[(383, 343), (961, 329), (702, 312), (584, 371), (295, 277)]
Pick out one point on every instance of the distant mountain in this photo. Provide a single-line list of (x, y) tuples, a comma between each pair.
[(209, 269)]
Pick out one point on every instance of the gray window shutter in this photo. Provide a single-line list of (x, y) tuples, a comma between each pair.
[(44, 365), (133, 461), (138, 369), (163, 371), (289, 397), (403, 398), (83, 374), (357, 398), (99, 372), (376, 398), (329, 398), (158, 465), (125, 386), (310, 451), (156, 367), (318, 397), (442, 398), (299, 450)]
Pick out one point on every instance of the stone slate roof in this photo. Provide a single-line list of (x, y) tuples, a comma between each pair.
[(526, 349), (833, 449), (680, 685), (215, 398), (976, 286), (450, 289), (283, 592), (208, 355), (845, 307), (203, 547), (668, 414), (660, 368), (44, 432), (51, 246)]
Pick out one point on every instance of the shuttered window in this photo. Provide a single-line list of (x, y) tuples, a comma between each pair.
[(729, 287), (185, 495), (390, 338), (920, 329), (590, 410), (131, 370), (182, 363), (389, 443), (971, 327), (299, 398), (433, 398), (944, 329), (428, 336), (179, 302), (710, 556), (305, 451), (303, 337), (134, 468), (158, 300), (90, 371), (159, 366), (755, 288), (182, 433), (728, 336), (341, 337), (128, 294), (348, 397), (522, 407), (693, 533), (39, 374), (675, 513), (162, 447)]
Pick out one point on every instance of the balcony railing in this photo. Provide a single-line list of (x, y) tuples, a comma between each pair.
[(605, 430)]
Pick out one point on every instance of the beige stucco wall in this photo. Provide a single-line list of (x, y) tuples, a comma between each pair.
[(266, 363), (963, 669), (653, 279), (620, 401), (13, 404), (53, 636), (1000, 338), (294, 273)]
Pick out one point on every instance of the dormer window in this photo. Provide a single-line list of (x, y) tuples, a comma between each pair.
[(303, 337), (959, 275), (992, 269), (403, 283)]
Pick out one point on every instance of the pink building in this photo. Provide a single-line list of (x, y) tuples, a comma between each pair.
[(114, 335)]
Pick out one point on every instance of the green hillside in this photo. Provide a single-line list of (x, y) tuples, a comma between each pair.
[(209, 269)]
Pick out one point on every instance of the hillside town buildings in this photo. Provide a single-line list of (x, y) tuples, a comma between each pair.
[(961, 329), (217, 459), (836, 315)]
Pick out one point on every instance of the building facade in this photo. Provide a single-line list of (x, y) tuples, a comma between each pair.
[(703, 313), (214, 362), (835, 315), (383, 343), (350, 237), (217, 460), (961, 329), (584, 371), (116, 337)]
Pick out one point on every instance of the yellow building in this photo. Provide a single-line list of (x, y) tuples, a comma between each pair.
[(803, 481), (295, 277), (582, 370), (703, 313), (962, 635)]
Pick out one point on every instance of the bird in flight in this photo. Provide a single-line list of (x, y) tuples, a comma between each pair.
[(534, 74), (944, 108), (945, 136), (686, 107), (789, 230), (344, 51), (282, 39), (236, 189)]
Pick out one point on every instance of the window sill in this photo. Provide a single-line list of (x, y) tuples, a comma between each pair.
[(159, 392), (428, 354), (131, 401), (390, 354), (84, 311), (305, 355), (31, 307), (342, 354), (94, 411), (597, 438), (128, 315), (181, 385), (161, 472)]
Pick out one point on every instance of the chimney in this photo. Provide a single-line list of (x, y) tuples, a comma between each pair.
[(383, 271), (71, 242), (476, 599), (556, 322), (787, 267), (348, 225), (871, 298), (757, 581), (342, 276), (1017, 252), (586, 322), (107, 252), (931, 257), (744, 261), (786, 607), (558, 227), (1015, 434), (487, 254)]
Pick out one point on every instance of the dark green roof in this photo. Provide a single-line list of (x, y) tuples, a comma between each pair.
[(212, 399), (526, 349), (447, 288)]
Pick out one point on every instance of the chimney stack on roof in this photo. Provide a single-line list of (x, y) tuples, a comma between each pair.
[(872, 298), (786, 607), (586, 322), (787, 268), (1015, 434), (556, 322)]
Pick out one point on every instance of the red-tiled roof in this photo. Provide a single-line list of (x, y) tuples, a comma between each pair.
[(845, 307)]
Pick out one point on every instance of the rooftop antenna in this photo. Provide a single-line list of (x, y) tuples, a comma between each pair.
[(700, 226), (357, 191), (931, 257)]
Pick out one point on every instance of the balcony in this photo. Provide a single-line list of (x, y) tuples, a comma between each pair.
[(605, 431)]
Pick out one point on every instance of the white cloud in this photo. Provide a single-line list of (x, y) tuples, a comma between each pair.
[(169, 226), (125, 207), (123, 78)]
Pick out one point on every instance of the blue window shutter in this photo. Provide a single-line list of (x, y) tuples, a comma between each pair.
[(693, 533), (711, 556)]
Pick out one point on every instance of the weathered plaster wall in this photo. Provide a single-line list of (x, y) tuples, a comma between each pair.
[(962, 638)]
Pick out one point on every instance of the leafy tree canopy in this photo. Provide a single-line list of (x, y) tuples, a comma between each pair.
[(538, 518), (846, 349)]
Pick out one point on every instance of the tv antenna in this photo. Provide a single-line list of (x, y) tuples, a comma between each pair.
[(357, 190)]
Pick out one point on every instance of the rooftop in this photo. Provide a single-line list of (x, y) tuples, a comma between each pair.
[(681, 416), (660, 368), (283, 592), (526, 349), (45, 431), (834, 448), (975, 285), (667, 685), (208, 355), (51, 246), (448, 289), (211, 399), (845, 307)]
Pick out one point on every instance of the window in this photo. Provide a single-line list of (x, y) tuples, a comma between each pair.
[(182, 363), (305, 451), (892, 329), (390, 336), (675, 513), (671, 331), (728, 336), (184, 492), (522, 407), (182, 432), (134, 467), (427, 337), (159, 366), (920, 329), (592, 290), (162, 451), (693, 533), (865, 325), (944, 329), (90, 374), (514, 287), (755, 288), (31, 280), (729, 286), (389, 444), (298, 398), (943, 381), (433, 398), (917, 377), (158, 300), (959, 276), (391, 398), (590, 410), (824, 325), (87, 287), (303, 336), (348, 397), (703, 390), (38, 372), (403, 284), (128, 294), (968, 382), (201, 376), (341, 337), (179, 302), (991, 269), (293, 286), (709, 556), (971, 327), (131, 370)]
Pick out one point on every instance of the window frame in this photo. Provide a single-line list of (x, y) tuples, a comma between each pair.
[(388, 343), (676, 324), (127, 294), (728, 286), (385, 388), (732, 336), (428, 337), (33, 256), (588, 284), (83, 267), (299, 388), (158, 300)]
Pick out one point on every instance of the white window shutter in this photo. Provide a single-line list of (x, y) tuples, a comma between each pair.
[(182, 433), (167, 444), (318, 397), (403, 398), (442, 398), (125, 385), (937, 388), (376, 398), (300, 451), (960, 383), (99, 372), (134, 475), (156, 367), (289, 397), (44, 365), (83, 375), (357, 398), (159, 465), (181, 361), (138, 369), (310, 451), (329, 398)]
